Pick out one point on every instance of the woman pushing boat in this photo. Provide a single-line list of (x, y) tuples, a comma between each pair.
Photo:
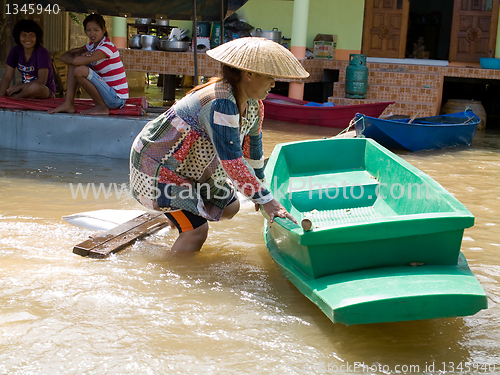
[(190, 161)]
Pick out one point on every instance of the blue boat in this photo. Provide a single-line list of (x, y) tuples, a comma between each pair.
[(424, 133)]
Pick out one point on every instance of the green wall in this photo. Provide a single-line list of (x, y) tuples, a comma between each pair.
[(343, 18)]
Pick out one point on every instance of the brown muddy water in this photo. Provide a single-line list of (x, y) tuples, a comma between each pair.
[(226, 310)]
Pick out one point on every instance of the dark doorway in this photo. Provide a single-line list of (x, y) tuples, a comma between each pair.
[(485, 91), (429, 29)]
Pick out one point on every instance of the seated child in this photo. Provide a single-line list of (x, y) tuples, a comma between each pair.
[(97, 67), (32, 60)]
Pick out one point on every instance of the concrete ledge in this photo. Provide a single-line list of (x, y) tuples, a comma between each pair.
[(407, 61), (109, 136)]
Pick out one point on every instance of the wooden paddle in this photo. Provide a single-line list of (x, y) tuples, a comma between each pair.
[(414, 117), (123, 235)]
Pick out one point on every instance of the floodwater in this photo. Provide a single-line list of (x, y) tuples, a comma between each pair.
[(226, 310)]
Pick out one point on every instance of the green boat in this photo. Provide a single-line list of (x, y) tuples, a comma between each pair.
[(378, 240)]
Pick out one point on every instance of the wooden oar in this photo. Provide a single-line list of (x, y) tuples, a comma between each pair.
[(123, 235), (414, 117), (469, 120)]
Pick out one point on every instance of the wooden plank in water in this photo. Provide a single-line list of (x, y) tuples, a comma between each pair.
[(123, 235)]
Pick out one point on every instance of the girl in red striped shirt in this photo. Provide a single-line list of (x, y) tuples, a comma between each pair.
[(98, 69)]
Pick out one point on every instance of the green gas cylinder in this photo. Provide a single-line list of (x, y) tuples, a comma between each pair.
[(356, 77)]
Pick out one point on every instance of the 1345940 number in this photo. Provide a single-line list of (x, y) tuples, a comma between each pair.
[(31, 9)]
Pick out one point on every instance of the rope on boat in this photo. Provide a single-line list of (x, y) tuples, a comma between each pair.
[(351, 124)]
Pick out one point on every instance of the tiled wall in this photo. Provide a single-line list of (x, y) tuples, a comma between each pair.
[(183, 63), (414, 88), (162, 62)]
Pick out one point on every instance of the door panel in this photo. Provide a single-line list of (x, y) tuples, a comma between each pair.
[(385, 27), (474, 29)]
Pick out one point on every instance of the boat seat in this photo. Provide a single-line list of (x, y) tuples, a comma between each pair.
[(327, 218), (333, 191)]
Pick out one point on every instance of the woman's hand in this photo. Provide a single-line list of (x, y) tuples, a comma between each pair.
[(14, 89), (275, 209), (89, 57), (69, 56)]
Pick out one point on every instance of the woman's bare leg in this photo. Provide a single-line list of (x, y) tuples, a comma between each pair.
[(191, 241), (71, 86), (33, 90), (81, 74), (231, 210)]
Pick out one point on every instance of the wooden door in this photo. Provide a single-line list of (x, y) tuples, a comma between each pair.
[(385, 27), (474, 30)]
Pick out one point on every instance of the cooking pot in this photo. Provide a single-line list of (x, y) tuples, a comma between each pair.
[(143, 21), (148, 42), (172, 45), (134, 41), (160, 22), (274, 34)]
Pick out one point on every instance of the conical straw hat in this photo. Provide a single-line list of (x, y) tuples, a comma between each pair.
[(259, 55)]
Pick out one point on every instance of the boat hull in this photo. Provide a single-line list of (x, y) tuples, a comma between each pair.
[(322, 259), (425, 133), (282, 108), (388, 294)]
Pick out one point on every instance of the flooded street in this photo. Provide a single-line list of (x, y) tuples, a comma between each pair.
[(226, 310)]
